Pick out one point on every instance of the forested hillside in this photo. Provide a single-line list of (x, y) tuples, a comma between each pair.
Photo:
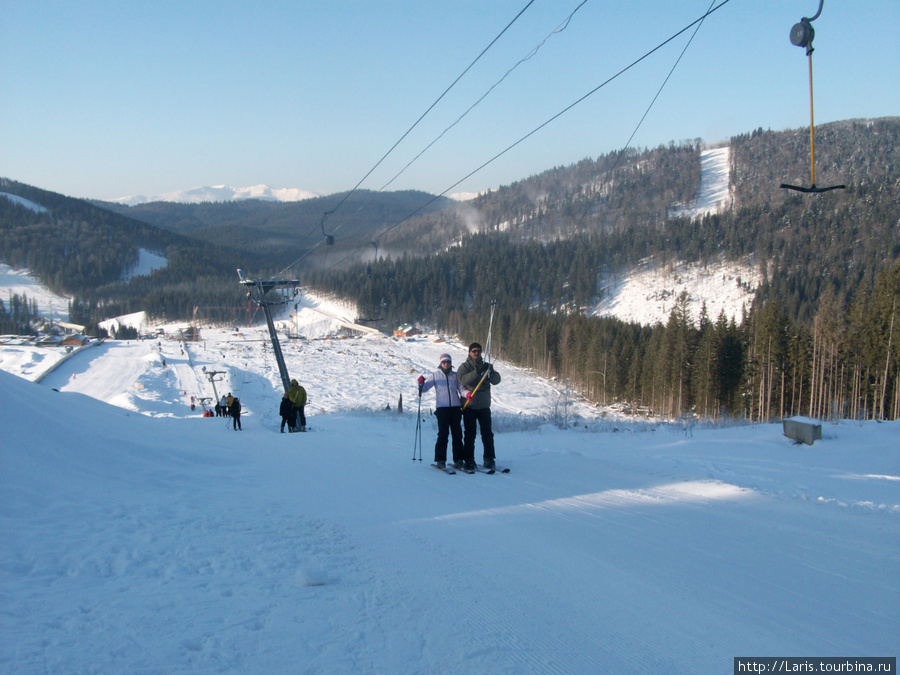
[(78, 249), (821, 338), (285, 232), (829, 265)]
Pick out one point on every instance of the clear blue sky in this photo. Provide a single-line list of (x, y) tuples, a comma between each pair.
[(105, 99)]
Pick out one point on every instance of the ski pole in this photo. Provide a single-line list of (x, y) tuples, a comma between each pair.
[(418, 440), (487, 346)]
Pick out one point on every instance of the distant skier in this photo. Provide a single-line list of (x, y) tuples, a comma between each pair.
[(448, 394), (477, 413), (297, 396), (286, 410), (228, 400), (234, 409)]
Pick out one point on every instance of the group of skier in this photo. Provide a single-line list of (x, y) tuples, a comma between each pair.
[(463, 396), (462, 408), (231, 407), (292, 409)]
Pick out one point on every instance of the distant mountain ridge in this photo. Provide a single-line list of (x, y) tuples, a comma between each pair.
[(221, 193), (658, 209)]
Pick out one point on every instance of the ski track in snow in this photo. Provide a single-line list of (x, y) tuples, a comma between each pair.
[(164, 542), (144, 538), (715, 188)]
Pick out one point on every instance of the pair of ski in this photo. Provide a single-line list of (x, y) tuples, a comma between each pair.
[(450, 470)]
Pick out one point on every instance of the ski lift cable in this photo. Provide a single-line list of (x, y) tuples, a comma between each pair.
[(544, 124), (559, 29), (330, 238), (308, 251), (429, 109), (534, 297), (621, 153)]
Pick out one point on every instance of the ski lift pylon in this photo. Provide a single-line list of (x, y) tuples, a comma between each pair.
[(372, 318), (802, 35)]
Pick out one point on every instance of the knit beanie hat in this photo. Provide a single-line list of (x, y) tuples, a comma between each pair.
[(445, 357), (474, 345)]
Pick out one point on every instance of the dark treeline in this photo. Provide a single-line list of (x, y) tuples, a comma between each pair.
[(17, 317), (820, 339), (613, 193), (78, 249), (284, 232), (842, 363)]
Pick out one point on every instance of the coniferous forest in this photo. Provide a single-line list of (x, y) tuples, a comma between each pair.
[(80, 250), (821, 338)]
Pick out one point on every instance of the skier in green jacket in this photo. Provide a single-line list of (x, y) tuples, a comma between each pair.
[(297, 396)]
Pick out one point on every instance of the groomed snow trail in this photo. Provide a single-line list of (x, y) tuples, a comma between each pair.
[(165, 542)]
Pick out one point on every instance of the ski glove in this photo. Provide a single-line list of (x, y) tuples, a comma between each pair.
[(421, 380)]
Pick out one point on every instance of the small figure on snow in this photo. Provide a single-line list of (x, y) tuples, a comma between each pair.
[(234, 409), (448, 394), (477, 376), (297, 395), (286, 410)]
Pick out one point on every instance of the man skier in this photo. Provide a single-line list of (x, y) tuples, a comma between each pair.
[(477, 411)]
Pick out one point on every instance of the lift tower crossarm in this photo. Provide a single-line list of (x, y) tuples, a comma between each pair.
[(211, 374)]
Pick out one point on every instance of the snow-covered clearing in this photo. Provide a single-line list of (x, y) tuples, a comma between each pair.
[(715, 190), (21, 201), (142, 537), (20, 282), (148, 261), (649, 293)]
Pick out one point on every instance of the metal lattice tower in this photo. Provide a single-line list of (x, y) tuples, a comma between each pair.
[(256, 291)]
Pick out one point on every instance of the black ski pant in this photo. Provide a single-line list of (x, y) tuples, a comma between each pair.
[(448, 420), (236, 421), (474, 419), (299, 416)]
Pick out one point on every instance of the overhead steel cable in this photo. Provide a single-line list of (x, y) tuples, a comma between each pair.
[(544, 124), (429, 109), (408, 131), (559, 29), (621, 152)]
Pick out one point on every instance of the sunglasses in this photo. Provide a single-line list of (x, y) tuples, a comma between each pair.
[(474, 351)]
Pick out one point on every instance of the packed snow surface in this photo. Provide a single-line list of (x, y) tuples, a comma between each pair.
[(20, 282), (141, 537), (648, 294), (21, 201), (715, 185)]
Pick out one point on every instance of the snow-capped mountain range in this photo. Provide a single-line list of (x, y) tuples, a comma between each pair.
[(221, 193), (646, 295), (227, 193)]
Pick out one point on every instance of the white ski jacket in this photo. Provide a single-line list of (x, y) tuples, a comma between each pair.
[(448, 392)]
